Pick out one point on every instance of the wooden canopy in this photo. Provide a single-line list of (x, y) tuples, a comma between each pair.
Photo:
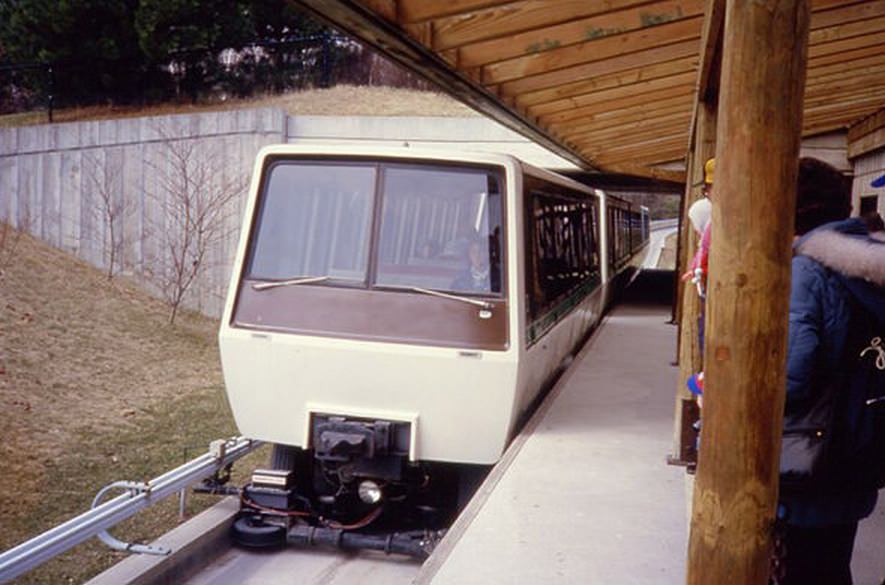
[(609, 84)]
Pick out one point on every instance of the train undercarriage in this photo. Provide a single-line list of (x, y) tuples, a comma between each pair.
[(355, 488)]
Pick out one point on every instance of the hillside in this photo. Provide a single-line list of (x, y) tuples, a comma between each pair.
[(95, 386), (341, 100)]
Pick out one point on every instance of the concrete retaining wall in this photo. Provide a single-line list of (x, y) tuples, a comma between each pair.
[(52, 179)]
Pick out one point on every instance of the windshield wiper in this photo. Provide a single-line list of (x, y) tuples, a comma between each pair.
[(435, 293), (290, 282)]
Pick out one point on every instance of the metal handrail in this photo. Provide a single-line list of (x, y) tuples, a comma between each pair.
[(36, 551)]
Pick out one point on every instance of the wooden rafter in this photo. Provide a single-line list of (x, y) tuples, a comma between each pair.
[(589, 70), (610, 46), (642, 87), (609, 82), (576, 32)]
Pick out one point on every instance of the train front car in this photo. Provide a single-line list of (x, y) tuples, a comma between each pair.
[(368, 331)]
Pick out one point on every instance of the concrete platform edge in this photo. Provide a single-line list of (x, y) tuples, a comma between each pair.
[(442, 551), (194, 544)]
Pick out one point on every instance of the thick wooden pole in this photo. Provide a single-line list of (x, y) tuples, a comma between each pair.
[(759, 125)]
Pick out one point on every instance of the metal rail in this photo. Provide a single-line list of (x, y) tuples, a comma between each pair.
[(32, 553)]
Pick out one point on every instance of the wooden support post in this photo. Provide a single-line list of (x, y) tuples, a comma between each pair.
[(702, 146), (688, 351), (760, 120)]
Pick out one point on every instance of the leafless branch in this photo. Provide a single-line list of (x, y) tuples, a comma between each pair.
[(110, 207), (196, 189)]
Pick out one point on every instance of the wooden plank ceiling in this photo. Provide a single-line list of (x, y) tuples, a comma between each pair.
[(610, 84)]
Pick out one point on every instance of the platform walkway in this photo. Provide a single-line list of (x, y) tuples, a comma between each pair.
[(587, 497), (584, 495)]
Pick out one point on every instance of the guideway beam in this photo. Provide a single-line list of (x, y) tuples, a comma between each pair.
[(32, 553)]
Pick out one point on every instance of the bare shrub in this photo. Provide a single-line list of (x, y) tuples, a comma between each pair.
[(109, 207), (195, 192)]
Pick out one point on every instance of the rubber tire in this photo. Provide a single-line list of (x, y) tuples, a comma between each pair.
[(251, 532)]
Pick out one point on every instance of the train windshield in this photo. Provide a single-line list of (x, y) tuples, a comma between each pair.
[(316, 220), (441, 229), (438, 227)]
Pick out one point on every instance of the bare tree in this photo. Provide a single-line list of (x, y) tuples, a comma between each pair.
[(195, 191), (110, 207)]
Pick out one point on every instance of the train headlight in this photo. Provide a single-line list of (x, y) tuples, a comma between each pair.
[(369, 492)]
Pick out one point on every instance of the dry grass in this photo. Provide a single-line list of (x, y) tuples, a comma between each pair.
[(342, 100), (95, 386)]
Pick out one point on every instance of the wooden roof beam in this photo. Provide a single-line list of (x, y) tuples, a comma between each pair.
[(867, 135), (608, 81), (833, 16), (627, 132), (541, 39), (411, 11), (683, 91), (847, 31), (613, 94), (644, 171), (624, 62), (513, 18), (853, 66), (594, 50), (821, 50), (674, 149), (605, 120), (633, 148), (850, 55), (846, 91)]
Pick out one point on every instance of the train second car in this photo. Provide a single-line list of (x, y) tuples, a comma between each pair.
[(393, 313)]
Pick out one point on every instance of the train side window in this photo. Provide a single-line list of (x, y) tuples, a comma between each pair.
[(562, 259), (314, 220)]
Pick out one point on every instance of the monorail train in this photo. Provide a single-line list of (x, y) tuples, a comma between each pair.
[(396, 310)]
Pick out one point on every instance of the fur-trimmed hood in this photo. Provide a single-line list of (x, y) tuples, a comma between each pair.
[(846, 248)]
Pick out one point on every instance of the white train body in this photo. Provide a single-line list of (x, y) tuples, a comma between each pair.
[(342, 333)]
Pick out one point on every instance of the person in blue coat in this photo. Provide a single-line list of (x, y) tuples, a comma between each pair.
[(836, 263)]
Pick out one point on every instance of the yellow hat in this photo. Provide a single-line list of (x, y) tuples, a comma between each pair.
[(709, 167)]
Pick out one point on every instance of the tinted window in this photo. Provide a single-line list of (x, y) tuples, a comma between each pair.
[(441, 229), (315, 220), (561, 253)]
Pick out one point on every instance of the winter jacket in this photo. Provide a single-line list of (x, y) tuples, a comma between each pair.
[(831, 264)]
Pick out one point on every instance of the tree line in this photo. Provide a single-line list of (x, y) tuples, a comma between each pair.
[(148, 51)]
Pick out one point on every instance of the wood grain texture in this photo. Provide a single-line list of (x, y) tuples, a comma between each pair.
[(759, 125)]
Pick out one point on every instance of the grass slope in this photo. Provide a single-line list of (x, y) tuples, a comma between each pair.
[(341, 100), (95, 386)]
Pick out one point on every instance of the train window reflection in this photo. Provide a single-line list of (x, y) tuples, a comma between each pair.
[(315, 220), (441, 229)]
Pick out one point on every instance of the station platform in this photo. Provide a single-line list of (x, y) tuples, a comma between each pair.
[(585, 495)]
